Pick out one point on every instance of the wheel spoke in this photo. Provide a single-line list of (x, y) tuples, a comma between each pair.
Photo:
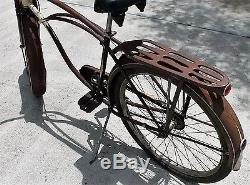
[(204, 122), (159, 86), (176, 151), (144, 117), (141, 106), (197, 141), (157, 92), (197, 114), (157, 102), (199, 131)]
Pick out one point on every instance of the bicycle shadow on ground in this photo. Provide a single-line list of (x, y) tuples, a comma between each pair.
[(50, 121)]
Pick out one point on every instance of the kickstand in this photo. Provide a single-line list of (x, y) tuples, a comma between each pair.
[(99, 141)]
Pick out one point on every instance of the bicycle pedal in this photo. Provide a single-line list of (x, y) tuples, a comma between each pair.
[(90, 101)]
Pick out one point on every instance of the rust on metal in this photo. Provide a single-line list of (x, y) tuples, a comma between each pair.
[(95, 29), (175, 64)]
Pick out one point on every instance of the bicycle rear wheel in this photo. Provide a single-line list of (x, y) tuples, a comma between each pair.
[(197, 147), (33, 55)]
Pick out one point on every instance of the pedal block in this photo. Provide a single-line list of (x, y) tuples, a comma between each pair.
[(90, 101), (91, 73)]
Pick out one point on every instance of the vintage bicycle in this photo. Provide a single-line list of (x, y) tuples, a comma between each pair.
[(173, 105)]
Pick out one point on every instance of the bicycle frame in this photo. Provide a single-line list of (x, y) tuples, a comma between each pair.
[(185, 69), (105, 36), (180, 73)]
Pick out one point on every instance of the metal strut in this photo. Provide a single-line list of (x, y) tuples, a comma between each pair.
[(95, 154)]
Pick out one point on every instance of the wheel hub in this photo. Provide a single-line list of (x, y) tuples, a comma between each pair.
[(178, 123)]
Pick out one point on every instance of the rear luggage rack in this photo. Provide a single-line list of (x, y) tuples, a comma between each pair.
[(173, 63)]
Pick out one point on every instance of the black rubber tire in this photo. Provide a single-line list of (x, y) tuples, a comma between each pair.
[(29, 31), (209, 103)]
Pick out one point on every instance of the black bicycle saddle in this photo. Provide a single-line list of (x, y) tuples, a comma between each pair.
[(113, 6)]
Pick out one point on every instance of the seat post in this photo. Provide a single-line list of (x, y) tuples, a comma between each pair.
[(109, 24), (106, 44)]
